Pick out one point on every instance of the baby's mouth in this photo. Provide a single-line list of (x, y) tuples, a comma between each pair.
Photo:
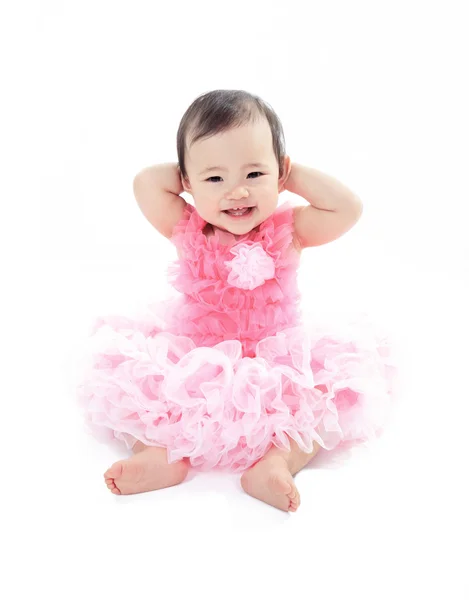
[(242, 212)]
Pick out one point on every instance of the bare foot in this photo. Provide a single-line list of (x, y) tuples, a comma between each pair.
[(270, 480), (145, 471)]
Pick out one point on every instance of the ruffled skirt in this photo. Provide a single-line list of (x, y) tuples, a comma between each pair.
[(218, 408)]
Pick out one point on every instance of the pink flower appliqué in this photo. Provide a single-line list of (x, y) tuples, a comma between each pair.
[(250, 267)]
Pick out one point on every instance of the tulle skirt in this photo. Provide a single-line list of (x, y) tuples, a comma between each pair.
[(222, 409)]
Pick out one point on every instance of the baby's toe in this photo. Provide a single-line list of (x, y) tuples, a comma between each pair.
[(114, 471), (294, 500), (113, 487), (109, 476)]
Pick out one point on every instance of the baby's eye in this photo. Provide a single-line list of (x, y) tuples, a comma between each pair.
[(216, 176)]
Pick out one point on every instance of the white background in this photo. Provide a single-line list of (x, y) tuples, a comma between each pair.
[(372, 93)]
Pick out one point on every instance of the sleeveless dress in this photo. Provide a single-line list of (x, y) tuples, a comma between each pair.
[(227, 369)]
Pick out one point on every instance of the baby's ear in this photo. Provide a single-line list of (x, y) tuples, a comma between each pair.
[(286, 173), (186, 185)]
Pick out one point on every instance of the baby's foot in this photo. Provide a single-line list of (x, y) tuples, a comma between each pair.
[(270, 480), (145, 471)]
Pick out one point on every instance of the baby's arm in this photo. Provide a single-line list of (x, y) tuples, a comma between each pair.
[(157, 190), (333, 208)]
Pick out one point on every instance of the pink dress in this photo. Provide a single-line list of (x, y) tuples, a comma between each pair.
[(228, 370)]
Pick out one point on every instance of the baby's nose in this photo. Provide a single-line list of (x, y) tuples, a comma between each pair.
[(238, 192)]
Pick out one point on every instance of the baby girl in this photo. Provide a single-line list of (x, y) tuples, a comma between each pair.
[(227, 376)]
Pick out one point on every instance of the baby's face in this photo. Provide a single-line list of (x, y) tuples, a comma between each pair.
[(232, 184)]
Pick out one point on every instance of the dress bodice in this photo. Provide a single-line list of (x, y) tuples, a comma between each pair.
[(244, 287)]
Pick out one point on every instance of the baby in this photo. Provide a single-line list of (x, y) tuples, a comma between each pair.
[(239, 387)]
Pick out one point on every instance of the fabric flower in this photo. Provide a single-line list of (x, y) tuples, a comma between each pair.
[(251, 266)]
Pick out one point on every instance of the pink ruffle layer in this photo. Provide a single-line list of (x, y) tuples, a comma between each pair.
[(221, 409)]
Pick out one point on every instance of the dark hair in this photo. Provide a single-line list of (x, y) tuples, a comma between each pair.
[(219, 110)]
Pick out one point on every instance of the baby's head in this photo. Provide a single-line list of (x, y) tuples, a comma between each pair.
[(220, 134)]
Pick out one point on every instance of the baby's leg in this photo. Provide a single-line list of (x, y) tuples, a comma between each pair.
[(147, 470), (271, 479)]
